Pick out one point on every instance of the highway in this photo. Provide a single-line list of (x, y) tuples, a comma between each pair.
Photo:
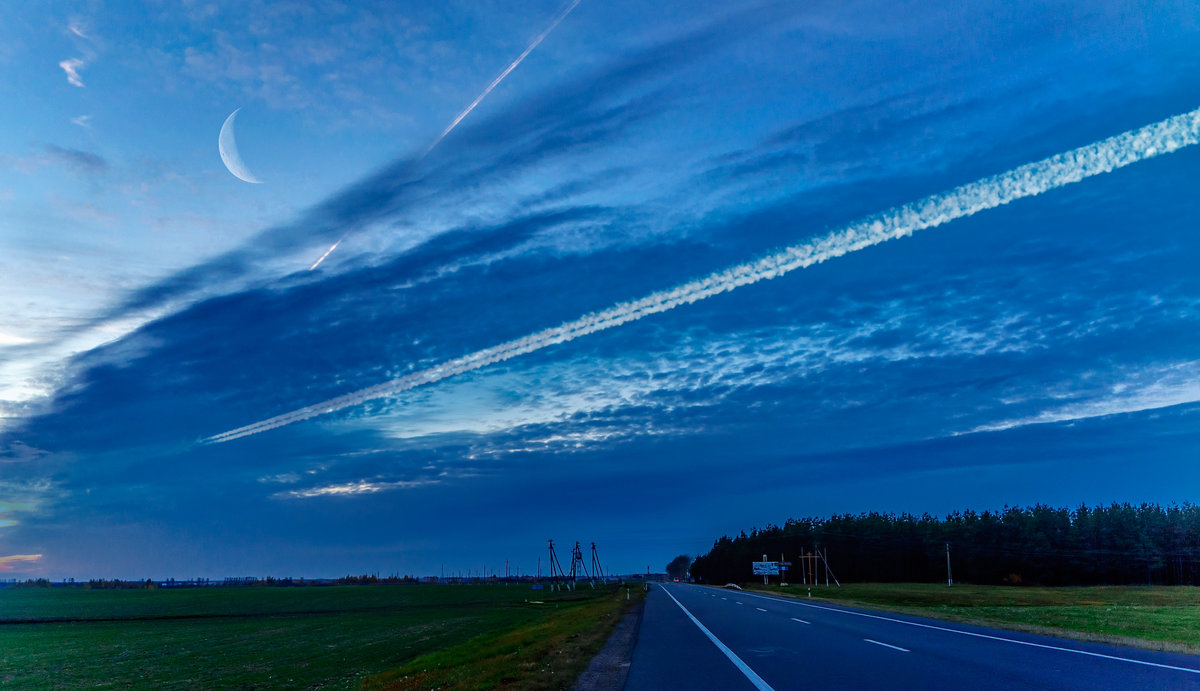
[(713, 638)]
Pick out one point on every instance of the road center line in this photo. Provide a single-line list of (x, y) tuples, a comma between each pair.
[(760, 609), (801, 621), (888, 645), (1031, 644), (758, 681)]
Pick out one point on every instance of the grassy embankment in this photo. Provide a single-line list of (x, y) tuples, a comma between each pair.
[(547, 654), (327, 637), (1153, 617)]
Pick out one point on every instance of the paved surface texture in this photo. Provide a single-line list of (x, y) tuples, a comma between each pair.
[(711, 638)]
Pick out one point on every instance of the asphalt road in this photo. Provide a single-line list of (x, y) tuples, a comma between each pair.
[(711, 638)]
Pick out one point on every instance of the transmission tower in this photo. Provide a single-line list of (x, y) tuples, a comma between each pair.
[(556, 570), (578, 565), (597, 570)]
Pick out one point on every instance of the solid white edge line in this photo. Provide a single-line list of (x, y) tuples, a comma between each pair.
[(758, 681), (984, 635), (888, 645)]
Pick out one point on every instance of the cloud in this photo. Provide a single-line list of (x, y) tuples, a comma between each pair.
[(571, 117), (72, 66), (11, 562), (18, 499), (81, 161), (967, 200), (13, 340), (358, 487), (84, 121), (20, 452), (1149, 389)]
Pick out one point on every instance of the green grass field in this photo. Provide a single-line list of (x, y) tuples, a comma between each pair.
[(313, 637), (1156, 617)]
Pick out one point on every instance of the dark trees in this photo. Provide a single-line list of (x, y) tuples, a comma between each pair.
[(678, 568), (1117, 544)]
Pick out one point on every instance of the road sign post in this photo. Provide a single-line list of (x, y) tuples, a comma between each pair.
[(765, 568)]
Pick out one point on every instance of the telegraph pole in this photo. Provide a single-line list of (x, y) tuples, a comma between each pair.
[(949, 575)]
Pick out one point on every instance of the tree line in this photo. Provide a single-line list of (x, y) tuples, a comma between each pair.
[(1116, 545)]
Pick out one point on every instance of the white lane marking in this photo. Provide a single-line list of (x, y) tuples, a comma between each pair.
[(888, 645), (760, 609), (738, 602), (801, 621), (984, 635), (724, 598), (758, 681)]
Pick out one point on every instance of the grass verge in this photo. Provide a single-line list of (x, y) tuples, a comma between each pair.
[(326, 637), (1149, 617), (549, 652)]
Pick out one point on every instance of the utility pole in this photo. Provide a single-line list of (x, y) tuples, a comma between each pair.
[(949, 575), (597, 570)]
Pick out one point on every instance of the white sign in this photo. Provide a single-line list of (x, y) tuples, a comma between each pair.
[(765, 568)]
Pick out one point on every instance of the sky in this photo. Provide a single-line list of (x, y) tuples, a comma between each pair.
[(687, 268)]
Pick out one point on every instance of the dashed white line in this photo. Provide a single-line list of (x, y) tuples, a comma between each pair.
[(760, 609), (960, 632), (801, 621), (888, 645), (758, 681), (738, 602)]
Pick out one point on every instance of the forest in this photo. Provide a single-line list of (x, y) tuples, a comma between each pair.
[(1120, 544)]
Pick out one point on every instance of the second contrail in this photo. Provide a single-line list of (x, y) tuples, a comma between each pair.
[(467, 111), (1028, 180)]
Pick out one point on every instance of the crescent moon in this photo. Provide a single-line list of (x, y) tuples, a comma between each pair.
[(227, 145)]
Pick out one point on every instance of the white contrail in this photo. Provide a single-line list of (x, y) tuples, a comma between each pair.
[(327, 253), (1026, 181), (467, 111)]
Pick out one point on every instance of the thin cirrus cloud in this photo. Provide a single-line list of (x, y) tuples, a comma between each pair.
[(695, 371), (345, 489), (590, 111), (1162, 137), (1152, 388), (13, 561), (72, 66), (81, 161)]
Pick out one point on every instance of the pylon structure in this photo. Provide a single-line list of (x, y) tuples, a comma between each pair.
[(597, 570), (578, 565), (579, 568), (556, 570)]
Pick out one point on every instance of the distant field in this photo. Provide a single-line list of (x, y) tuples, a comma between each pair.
[(320, 637), (1157, 617)]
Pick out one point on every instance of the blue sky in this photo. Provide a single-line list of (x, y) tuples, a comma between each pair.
[(1040, 351)]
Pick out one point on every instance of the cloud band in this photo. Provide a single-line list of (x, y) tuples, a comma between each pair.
[(1028, 180)]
